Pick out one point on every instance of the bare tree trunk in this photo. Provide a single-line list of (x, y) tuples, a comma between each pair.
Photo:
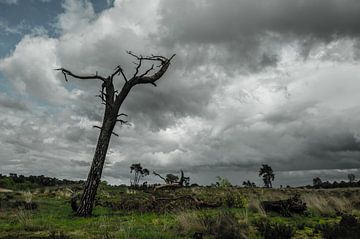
[(93, 179)]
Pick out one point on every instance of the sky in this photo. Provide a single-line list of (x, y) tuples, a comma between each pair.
[(253, 82)]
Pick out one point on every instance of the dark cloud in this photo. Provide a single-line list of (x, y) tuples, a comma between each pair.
[(252, 82), (217, 22), (247, 34)]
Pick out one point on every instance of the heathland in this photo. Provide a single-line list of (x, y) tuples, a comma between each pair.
[(218, 211)]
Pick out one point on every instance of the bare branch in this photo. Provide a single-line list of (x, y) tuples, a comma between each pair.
[(101, 97), (149, 58), (163, 61), (122, 121), (69, 73), (137, 68), (98, 127), (155, 173), (134, 55), (144, 79), (146, 72), (118, 71)]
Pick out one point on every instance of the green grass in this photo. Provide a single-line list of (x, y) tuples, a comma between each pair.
[(55, 217)]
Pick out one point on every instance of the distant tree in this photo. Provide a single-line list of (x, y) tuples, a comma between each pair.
[(223, 182), (139, 172), (7, 182), (317, 182), (351, 177), (267, 174)]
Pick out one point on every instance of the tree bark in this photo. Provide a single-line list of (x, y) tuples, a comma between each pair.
[(94, 176)]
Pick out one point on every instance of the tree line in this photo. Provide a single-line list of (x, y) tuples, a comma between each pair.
[(14, 181), (319, 183)]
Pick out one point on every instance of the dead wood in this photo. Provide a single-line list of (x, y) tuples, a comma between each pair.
[(286, 207)]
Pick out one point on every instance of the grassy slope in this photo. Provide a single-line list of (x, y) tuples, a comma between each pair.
[(54, 215)]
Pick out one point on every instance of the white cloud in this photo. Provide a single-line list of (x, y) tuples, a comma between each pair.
[(30, 68), (77, 16)]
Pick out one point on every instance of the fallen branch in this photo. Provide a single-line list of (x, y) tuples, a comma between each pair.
[(285, 207)]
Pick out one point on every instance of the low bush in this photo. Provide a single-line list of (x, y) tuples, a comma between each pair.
[(224, 226), (347, 228), (274, 230)]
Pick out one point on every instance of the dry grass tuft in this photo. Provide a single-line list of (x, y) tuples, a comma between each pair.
[(339, 204), (64, 193), (189, 222), (27, 196), (254, 205), (326, 204)]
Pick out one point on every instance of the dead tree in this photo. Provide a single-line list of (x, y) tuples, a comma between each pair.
[(178, 183), (184, 180), (155, 173), (113, 99)]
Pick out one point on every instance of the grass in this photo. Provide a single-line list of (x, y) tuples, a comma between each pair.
[(240, 214)]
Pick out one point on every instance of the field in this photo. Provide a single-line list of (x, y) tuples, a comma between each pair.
[(192, 212)]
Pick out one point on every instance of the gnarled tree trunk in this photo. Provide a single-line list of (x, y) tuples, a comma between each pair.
[(112, 101)]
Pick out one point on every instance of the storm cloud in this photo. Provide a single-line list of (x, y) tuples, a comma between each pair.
[(252, 82)]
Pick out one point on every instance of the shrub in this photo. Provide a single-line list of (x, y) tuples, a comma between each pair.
[(274, 230), (347, 228), (234, 199), (224, 226), (222, 197), (6, 183)]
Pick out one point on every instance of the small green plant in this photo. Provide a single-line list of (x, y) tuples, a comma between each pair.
[(234, 200)]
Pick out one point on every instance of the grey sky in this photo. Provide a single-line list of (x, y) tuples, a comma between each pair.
[(253, 82)]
